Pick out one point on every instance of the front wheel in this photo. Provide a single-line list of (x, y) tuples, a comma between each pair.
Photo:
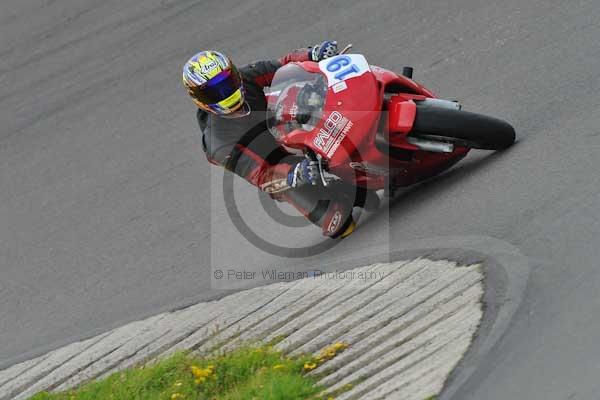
[(463, 128)]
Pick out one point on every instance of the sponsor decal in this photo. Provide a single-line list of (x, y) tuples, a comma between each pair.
[(343, 67), (275, 186), (338, 87), (294, 111), (334, 224), (209, 66), (334, 130)]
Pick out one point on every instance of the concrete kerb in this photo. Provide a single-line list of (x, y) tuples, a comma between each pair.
[(356, 312)]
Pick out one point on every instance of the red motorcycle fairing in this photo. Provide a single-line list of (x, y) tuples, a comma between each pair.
[(352, 121)]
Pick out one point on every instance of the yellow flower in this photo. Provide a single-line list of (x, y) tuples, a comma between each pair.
[(202, 373), (310, 366), (176, 396), (340, 346), (331, 351), (178, 383), (278, 366)]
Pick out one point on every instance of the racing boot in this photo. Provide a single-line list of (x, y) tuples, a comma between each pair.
[(327, 208)]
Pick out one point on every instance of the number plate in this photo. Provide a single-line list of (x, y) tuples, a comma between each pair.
[(343, 67)]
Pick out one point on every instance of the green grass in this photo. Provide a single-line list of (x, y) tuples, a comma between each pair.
[(246, 373)]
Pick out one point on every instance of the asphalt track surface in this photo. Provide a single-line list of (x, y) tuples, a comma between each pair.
[(108, 214)]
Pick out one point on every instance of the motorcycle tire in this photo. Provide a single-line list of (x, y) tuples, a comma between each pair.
[(463, 128)]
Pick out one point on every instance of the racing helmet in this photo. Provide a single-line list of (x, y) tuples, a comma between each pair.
[(215, 84)]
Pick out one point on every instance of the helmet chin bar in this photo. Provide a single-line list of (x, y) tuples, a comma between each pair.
[(243, 111)]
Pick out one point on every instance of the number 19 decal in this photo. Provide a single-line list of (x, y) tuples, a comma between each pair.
[(344, 67), (340, 62)]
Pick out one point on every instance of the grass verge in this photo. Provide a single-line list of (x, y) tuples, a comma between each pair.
[(246, 373)]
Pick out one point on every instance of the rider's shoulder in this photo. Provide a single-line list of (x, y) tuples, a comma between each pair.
[(202, 117)]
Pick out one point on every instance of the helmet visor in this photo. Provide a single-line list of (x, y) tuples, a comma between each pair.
[(219, 88)]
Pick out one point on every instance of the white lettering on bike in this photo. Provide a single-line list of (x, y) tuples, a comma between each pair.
[(340, 86), (338, 141), (294, 111), (334, 130)]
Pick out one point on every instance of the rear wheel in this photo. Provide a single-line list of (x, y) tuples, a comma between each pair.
[(462, 128)]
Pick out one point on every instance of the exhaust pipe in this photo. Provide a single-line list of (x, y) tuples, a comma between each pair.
[(429, 145), (439, 103)]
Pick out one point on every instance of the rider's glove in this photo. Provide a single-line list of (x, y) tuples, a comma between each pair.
[(305, 172), (324, 50)]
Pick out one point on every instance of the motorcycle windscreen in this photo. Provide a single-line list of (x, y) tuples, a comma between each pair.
[(295, 100)]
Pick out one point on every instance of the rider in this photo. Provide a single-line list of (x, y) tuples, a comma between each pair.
[(231, 114)]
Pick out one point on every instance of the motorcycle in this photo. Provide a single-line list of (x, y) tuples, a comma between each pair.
[(372, 127)]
